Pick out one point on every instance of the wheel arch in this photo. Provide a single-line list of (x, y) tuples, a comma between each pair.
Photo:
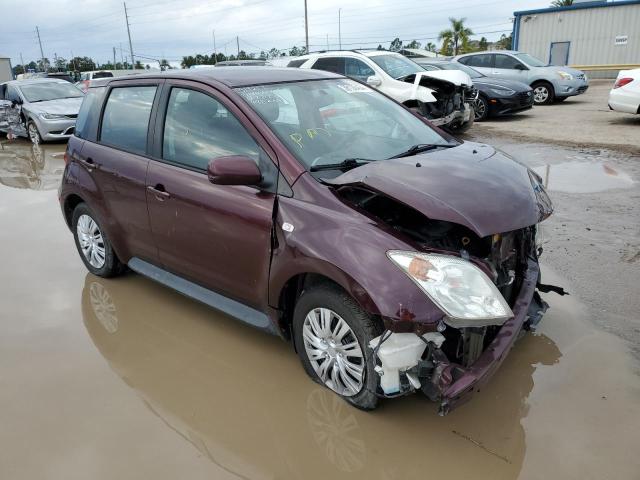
[(69, 205)]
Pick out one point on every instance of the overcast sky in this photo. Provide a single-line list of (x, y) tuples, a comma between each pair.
[(173, 28)]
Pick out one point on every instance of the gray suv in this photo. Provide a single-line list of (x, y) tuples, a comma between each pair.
[(550, 83)]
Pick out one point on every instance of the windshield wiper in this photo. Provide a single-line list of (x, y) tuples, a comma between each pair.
[(422, 147), (346, 164)]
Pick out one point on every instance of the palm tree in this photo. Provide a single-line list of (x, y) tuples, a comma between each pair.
[(431, 47), (562, 3), (456, 36)]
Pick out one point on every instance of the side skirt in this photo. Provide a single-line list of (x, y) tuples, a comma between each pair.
[(192, 290)]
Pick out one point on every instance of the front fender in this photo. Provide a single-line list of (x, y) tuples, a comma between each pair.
[(350, 249)]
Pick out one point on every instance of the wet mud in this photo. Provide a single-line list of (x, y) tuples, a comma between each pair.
[(124, 378)]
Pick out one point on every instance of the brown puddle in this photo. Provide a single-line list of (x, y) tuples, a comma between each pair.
[(241, 398), (34, 167)]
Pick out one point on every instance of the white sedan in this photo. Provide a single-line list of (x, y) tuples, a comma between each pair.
[(625, 94)]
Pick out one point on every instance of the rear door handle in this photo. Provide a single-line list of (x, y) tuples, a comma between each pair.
[(159, 192), (88, 163)]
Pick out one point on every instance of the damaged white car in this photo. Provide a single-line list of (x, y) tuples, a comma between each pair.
[(444, 97)]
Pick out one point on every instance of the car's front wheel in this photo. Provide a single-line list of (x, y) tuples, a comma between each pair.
[(543, 93), (93, 244), (481, 109), (34, 134), (331, 335)]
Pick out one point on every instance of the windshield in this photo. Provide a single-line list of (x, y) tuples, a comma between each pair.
[(458, 66), (41, 92), (324, 122), (529, 60), (396, 66)]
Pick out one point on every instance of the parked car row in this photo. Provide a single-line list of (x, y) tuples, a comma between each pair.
[(452, 92)]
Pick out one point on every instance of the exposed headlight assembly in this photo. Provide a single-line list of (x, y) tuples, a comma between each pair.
[(460, 289), (565, 76), (51, 116)]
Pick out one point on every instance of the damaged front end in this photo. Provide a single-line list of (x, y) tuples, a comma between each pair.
[(485, 284), (454, 98)]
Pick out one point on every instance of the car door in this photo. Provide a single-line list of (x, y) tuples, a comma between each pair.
[(509, 68), (218, 236), (118, 163)]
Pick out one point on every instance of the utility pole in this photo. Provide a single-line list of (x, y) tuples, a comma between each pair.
[(44, 67), (306, 27), (328, 41), (73, 61), (114, 58), (126, 17), (238, 46), (340, 28), (22, 63), (215, 55)]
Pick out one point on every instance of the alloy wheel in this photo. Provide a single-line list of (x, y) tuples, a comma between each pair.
[(91, 241), (480, 109), (334, 351), (540, 94)]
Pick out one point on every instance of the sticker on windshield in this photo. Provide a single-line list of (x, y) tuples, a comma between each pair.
[(352, 87)]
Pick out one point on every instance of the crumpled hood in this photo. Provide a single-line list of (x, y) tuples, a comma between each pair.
[(61, 106), (472, 185)]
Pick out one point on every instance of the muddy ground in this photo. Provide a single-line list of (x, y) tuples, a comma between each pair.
[(126, 379)]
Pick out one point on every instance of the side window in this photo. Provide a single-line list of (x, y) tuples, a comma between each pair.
[(357, 69), (198, 128), (125, 121), (483, 61), (505, 61), (296, 63), (12, 94), (89, 112), (330, 64)]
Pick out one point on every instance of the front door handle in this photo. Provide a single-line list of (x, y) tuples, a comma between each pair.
[(159, 192)]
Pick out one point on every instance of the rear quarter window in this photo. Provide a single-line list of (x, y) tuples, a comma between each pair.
[(330, 64), (125, 120), (89, 113), (296, 63)]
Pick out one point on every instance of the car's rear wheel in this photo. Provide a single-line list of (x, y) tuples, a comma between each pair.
[(543, 93), (331, 335), (93, 244), (34, 134), (481, 109)]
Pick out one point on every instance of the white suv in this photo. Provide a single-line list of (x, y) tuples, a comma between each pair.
[(406, 82)]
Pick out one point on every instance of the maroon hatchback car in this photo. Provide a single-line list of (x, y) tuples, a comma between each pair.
[(393, 256)]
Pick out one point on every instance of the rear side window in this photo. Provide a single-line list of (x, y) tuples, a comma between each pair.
[(89, 112), (126, 118), (330, 64), (483, 61), (296, 63)]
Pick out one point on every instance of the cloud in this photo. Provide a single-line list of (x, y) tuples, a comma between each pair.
[(173, 28)]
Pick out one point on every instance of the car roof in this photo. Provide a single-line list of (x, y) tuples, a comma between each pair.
[(235, 76), (512, 52), (29, 81)]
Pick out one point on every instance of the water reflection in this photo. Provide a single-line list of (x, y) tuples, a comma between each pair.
[(242, 399), (583, 177), (27, 166)]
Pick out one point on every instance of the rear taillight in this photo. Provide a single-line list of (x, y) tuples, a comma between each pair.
[(621, 82)]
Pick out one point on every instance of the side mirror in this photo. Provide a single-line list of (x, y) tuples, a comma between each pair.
[(519, 66), (374, 81), (233, 170)]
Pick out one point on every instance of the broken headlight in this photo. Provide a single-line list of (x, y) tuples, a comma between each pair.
[(459, 288)]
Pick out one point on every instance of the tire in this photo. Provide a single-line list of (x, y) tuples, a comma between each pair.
[(33, 133), (543, 93), (362, 328), (462, 127), (481, 109), (104, 265)]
